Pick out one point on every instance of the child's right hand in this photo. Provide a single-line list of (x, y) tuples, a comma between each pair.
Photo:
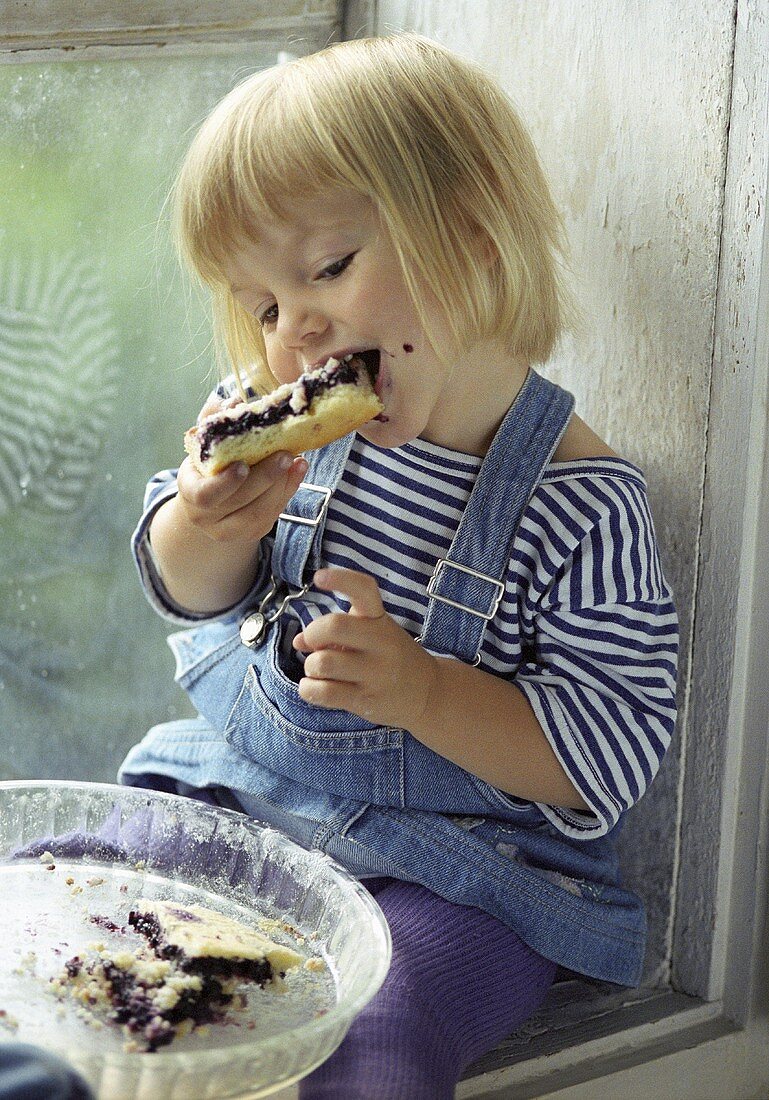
[(241, 503), (206, 539)]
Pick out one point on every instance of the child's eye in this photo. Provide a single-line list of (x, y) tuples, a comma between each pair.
[(268, 316), (336, 268)]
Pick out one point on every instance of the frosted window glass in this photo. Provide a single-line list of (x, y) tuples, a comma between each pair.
[(104, 360)]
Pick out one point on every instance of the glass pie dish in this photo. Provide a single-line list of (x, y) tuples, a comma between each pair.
[(74, 859)]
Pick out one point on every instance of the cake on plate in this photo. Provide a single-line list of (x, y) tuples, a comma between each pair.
[(185, 975)]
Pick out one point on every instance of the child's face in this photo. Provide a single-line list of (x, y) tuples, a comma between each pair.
[(327, 282)]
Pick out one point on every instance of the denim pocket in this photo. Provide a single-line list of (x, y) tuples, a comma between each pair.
[(321, 729), (332, 750), (307, 725)]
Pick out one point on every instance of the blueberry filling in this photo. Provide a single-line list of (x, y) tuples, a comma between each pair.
[(255, 970), (156, 989), (347, 371), (134, 1005), (136, 1009)]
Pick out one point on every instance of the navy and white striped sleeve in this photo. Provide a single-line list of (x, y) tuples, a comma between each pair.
[(160, 489), (600, 672)]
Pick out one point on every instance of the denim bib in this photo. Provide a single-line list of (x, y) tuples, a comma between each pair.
[(334, 750), (374, 796)]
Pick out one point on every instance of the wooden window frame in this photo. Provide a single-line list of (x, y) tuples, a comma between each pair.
[(722, 865), (58, 30)]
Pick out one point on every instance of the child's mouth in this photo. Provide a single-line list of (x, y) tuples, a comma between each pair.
[(371, 360)]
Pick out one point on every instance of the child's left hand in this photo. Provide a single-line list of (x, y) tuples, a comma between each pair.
[(362, 661)]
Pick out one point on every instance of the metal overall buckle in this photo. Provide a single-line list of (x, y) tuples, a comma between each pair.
[(443, 563), (253, 629)]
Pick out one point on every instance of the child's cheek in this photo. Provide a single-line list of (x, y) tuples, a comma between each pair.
[(283, 365)]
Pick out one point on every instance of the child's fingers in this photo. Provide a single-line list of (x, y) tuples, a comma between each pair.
[(335, 664), (204, 492), (331, 694), (361, 590), (339, 631), (235, 486), (270, 502), (279, 475)]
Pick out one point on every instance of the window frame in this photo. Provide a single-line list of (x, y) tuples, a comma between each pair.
[(57, 30), (724, 779)]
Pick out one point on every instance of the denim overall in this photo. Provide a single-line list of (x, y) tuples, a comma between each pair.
[(374, 797)]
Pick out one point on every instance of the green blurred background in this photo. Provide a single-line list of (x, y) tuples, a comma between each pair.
[(105, 359)]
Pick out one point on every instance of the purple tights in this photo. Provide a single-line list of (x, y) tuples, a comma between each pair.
[(459, 983)]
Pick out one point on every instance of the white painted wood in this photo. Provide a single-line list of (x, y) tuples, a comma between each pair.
[(720, 741), (731, 1066), (77, 23)]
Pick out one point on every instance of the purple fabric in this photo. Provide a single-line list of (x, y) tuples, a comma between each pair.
[(460, 982)]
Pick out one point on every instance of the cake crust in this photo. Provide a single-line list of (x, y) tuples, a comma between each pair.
[(321, 406)]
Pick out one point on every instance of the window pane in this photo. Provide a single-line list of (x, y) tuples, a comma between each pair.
[(104, 361)]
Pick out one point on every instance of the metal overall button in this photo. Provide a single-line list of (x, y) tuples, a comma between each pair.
[(253, 629)]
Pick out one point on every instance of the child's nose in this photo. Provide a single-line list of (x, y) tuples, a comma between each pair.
[(298, 326)]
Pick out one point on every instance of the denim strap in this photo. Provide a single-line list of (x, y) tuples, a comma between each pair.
[(467, 585), (296, 553)]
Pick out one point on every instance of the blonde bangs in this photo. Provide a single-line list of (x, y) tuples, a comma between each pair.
[(430, 139)]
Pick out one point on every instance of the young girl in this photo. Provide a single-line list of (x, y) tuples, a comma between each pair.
[(466, 672)]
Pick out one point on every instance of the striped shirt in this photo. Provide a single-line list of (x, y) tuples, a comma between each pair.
[(586, 628)]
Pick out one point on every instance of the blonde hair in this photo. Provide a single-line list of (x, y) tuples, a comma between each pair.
[(425, 135)]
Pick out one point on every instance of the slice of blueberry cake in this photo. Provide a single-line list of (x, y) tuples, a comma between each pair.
[(323, 404), (184, 977), (201, 941)]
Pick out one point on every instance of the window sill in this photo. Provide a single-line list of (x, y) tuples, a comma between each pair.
[(585, 1031)]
